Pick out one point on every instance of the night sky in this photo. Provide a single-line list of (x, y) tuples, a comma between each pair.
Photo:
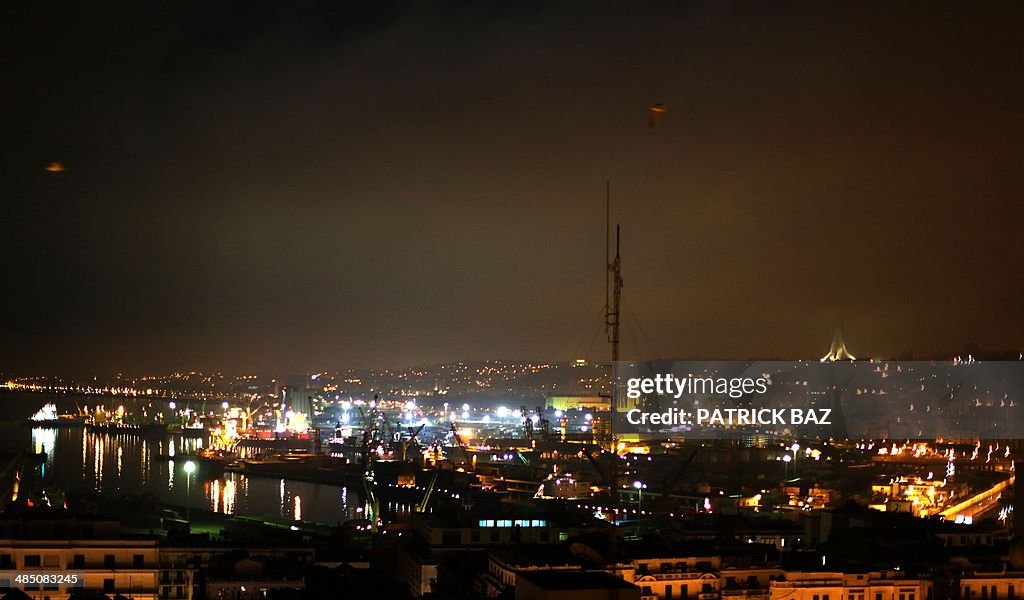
[(296, 186)]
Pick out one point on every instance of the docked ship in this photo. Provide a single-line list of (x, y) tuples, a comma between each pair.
[(47, 416), (152, 429)]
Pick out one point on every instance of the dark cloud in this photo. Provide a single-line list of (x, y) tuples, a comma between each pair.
[(293, 186)]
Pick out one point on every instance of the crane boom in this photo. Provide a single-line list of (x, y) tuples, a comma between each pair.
[(460, 442), (422, 506)]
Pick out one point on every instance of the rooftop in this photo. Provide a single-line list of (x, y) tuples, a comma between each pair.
[(576, 580)]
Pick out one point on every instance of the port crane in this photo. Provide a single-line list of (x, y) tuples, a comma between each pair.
[(404, 444), (372, 502), (373, 434), (368, 434), (425, 502), (531, 429), (461, 443)]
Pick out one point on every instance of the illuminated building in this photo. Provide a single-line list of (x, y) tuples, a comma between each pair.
[(921, 497), (828, 585), (579, 402), (47, 542), (838, 349)]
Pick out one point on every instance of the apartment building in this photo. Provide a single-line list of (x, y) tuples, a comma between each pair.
[(49, 543)]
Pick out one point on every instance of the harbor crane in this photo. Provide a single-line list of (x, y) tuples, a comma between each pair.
[(461, 443), (425, 502), (404, 444)]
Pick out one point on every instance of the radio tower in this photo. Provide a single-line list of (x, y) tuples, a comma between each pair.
[(612, 300), (612, 284)]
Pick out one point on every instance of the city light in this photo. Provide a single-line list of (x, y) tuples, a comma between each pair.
[(337, 218)]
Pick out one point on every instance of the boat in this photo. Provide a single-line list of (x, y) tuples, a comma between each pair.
[(145, 430), (47, 416), (189, 432)]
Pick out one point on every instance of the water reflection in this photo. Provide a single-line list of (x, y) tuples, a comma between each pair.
[(222, 493), (229, 494), (146, 458), (97, 463), (43, 441), (112, 465)]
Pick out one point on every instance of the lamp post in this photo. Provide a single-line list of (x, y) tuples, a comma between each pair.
[(190, 468), (639, 485), (795, 448), (786, 460)]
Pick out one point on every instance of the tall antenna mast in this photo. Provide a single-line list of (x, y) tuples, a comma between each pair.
[(612, 281), (613, 287)]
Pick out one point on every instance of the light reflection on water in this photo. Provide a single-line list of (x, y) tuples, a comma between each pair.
[(112, 465), (43, 440)]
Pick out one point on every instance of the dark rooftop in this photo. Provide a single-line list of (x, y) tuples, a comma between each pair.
[(575, 580)]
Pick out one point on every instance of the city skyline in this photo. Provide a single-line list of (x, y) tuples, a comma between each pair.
[(304, 300)]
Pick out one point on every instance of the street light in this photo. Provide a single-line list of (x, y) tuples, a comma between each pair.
[(639, 485), (795, 448), (786, 460), (190, 468)]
